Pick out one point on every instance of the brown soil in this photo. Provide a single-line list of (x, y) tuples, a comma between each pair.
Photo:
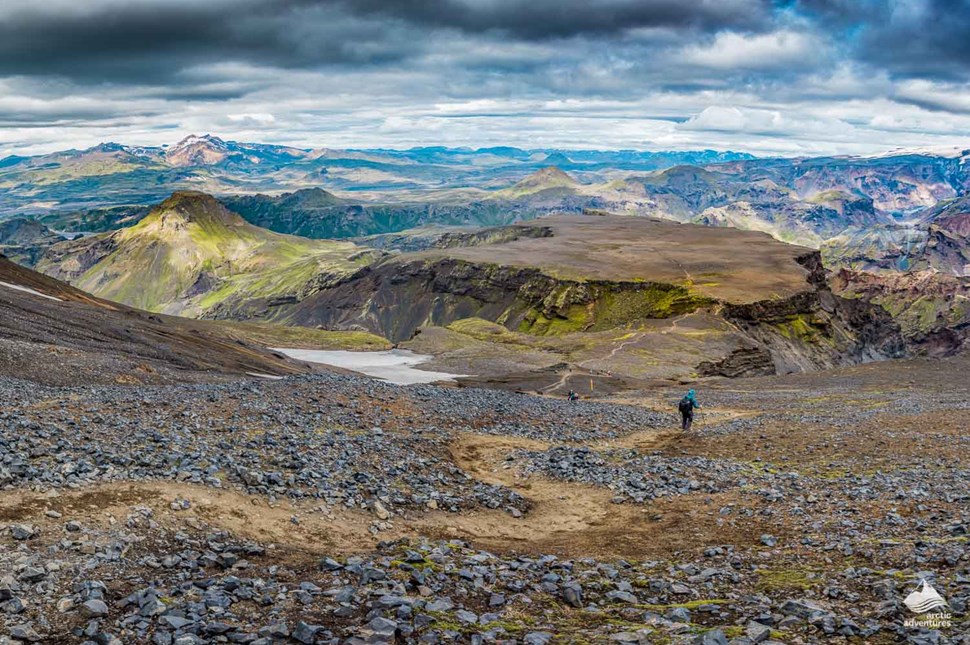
[(565, 519), (629, 248), (71, 337), (578, 520)]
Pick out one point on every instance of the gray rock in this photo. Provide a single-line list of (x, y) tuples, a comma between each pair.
[(382, 627), (712, 637), (537, 638), (305, 633), (573, 594), (467, 617), (94, 609), (25, 633), (622, 596), (756, 632), (22, 531), (803, 608)]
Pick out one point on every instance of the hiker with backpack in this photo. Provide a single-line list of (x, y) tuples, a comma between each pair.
[(687, 406)]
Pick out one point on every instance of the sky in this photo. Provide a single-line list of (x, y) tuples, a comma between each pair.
[(798, 77)]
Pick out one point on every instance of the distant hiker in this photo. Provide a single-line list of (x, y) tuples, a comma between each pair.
[(572, 396), (686, 407)]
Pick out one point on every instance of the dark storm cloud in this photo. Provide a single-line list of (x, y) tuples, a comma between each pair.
[(931, 41), (500, 71), (917, 39), (151, 42), (541, 19), (146, 43)]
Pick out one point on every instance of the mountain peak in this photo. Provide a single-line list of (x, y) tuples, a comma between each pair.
[(312, 197), (191, 206), (108, 146), (550, 177), (194, 150), (194, 139)]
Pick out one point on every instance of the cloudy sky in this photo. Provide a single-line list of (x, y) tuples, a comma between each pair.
[(790, 78)]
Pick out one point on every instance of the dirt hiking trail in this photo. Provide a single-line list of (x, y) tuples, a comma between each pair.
[(565, 518)]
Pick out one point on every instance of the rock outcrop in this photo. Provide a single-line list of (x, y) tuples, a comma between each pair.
[(932, 308)]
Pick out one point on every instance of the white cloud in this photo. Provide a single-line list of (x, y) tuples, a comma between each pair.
[(771, 51), (766, 122), (258, 118), (949, 97)]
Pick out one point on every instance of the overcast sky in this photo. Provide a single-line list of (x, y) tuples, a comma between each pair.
[(796, 77)]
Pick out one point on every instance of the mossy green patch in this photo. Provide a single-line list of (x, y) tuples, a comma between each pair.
[(575, 319), (691, 604), (791, 578), (650, 300), (603, 307), (803, 328), (272, 335)]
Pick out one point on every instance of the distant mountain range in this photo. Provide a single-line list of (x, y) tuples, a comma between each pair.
[(938, 240), (192, 255), (867, 202), (112, 174), (261, 245)]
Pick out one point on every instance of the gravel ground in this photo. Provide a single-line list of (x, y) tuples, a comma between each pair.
[(799, 511)]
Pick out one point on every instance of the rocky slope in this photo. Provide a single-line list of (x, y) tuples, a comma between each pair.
[(322, 509), (53, 333), (191, 253)]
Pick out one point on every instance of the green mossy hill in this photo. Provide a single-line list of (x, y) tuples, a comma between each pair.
[(191, 253), (804, 327)]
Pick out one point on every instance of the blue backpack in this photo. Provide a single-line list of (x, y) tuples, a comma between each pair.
[(685, 406)]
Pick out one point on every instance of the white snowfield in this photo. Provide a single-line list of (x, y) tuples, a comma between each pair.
[(394, 366), (271, 377), (28, 290)]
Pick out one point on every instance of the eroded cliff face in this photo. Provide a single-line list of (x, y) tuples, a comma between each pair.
[(813, 329), (395, 299), (932, 308), (817, 329)]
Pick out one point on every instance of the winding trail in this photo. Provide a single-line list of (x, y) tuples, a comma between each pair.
[(582, 367), (565, 518), (576, 519)]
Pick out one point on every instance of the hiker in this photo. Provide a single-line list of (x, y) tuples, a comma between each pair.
[(686, 407), (572, 396)]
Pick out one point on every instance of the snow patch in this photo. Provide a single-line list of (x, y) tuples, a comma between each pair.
[(271, 377), (28, 290), (394, 366)]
